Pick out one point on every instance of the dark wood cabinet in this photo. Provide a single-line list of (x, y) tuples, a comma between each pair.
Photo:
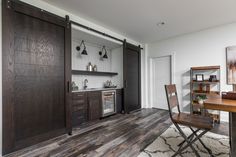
[(95, 105), (119, 100), (132, 77), (86, 106), (79, 108)]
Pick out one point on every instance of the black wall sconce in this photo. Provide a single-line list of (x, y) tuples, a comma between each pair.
[(78, 48), (105, 54)]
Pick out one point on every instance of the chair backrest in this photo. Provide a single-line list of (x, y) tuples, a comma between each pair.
[(172, 98)]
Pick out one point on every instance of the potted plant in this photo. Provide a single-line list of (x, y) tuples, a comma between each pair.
[(201, 98)]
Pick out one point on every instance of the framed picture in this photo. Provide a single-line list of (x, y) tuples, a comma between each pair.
[(231, 65), (199, 77)]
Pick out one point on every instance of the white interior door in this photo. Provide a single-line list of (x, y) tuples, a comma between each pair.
[(161, 75)]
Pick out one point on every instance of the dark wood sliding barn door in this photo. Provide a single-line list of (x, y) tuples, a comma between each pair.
[(132, 77), (34, 76)]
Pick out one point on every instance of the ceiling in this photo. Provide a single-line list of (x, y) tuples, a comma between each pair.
[(137, 19)]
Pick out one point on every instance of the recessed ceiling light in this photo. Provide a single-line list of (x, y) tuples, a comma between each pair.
[(159, 24)]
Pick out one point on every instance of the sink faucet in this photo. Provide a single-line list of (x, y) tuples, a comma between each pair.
[(85, 84)]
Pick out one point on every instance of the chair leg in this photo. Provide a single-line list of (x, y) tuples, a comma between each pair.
[(189, 137), (194, 140), (189, 143), (182, 143), (208, 150)]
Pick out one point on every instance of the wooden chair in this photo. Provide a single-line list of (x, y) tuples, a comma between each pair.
[(201, 123)]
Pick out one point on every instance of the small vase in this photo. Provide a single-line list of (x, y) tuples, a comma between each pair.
[(200, 102)]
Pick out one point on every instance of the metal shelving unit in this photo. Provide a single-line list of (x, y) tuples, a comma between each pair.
[(204, 88)]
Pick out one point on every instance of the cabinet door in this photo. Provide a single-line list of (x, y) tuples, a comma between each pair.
[(132, 77), (79, 108), (95, 106)]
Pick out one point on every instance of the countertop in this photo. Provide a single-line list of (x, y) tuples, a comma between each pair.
[(95, 89)]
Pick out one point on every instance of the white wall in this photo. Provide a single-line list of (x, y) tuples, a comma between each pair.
[(144, 78), (1, 78), (202, 48)]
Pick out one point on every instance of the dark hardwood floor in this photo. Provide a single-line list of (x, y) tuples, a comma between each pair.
[(222, 128), (119, 135)]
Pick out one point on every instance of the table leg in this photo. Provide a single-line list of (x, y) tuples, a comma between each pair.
[(232, 133)]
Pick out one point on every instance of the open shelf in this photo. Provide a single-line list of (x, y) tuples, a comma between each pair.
[(204, 89), (206, 82), (197, 106), (96, 73), (206, 68), (206, 93)]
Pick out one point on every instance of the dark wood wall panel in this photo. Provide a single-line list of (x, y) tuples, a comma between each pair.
[(36, 75), (8, 76), (39, 101), (132, 77)]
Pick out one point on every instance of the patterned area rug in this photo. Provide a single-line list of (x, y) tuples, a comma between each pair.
[(166, 144)]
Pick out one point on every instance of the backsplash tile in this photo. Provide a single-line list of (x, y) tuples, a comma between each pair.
[(79, 62)]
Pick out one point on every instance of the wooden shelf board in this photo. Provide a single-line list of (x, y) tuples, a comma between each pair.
[(97, 73), (217, 67), (209, 93), (206, 82), (196, 112), (197, 105)]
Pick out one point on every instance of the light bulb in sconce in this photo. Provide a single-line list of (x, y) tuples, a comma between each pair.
[(84, 52), (105, 56)]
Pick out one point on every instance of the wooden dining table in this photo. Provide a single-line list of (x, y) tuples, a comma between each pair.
[(228, 106)]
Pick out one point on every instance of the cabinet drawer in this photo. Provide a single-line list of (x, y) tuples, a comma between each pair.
[(78, 95), (78, 118), (80, 113), (78, 101), (94, 94), (78, 108)]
